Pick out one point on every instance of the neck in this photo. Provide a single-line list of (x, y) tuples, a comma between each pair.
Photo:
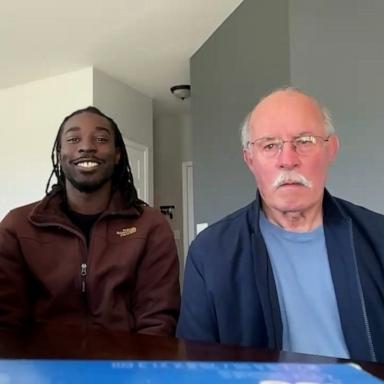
[(88, 203), (296, 221)]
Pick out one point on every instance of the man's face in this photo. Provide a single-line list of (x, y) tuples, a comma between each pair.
[(87, 152), (287, 115)]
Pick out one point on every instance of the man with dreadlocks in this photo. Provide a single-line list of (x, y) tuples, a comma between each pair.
[(90, 252)]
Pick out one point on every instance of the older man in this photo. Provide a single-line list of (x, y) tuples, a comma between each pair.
[(297, 269)]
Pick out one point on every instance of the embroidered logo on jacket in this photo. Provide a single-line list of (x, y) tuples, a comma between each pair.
[(126, 231)]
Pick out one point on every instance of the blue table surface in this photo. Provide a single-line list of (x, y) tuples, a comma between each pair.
[(25, 371)]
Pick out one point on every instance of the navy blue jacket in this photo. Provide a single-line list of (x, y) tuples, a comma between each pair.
[(230, 296)]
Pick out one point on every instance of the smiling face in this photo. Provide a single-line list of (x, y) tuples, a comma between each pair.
[(289, 181), (87, 152)]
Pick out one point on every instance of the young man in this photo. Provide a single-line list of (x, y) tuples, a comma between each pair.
[(90, 252), (297, 269)]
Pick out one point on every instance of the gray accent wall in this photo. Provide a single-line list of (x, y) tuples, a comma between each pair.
[(337, 54), (247, 56), (332, 49)]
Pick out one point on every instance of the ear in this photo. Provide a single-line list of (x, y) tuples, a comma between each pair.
[(333, 147), (248, 157)]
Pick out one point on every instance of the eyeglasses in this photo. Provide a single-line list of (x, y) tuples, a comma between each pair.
[(304, 145)]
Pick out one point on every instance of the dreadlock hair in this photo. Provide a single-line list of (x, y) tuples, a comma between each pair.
[(122, 178)]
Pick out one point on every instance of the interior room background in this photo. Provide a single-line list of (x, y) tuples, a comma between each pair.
[(332, 49)]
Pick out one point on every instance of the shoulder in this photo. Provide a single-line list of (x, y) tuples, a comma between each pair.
[(359, 212), (366, 223), (228, 232), (153, 215), (230, 223), (153, 221), (367, 229), (18, 215)]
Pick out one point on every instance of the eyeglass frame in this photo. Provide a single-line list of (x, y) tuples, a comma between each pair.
[(292, 141)]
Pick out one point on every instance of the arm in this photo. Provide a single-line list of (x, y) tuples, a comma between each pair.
[(156, 298), (197, 314), (14, 299)]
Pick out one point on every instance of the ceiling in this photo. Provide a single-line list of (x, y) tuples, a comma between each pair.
[(146, 44)]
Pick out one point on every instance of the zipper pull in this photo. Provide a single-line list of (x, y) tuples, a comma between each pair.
[(83, 270), (83, 274)]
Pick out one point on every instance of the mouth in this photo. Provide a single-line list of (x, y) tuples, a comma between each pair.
[(291, 184), (87, 163)]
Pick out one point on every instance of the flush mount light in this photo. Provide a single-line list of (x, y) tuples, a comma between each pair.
[(182, 91)]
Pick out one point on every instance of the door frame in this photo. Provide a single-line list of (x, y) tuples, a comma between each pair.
[(142, 148), (188, 206)]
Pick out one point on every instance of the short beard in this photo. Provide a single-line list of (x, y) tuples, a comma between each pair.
[(88, 187)]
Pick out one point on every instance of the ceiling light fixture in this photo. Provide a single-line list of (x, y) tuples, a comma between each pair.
[(182, 91)]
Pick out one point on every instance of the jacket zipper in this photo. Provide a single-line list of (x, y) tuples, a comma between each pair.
[(83, 277), (83, 265), (370, 343), (362, 301)]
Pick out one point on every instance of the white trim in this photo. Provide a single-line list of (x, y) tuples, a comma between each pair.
[(145, 150), (188, 214)]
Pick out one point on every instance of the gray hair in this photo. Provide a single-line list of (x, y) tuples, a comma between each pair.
[(328, 124)]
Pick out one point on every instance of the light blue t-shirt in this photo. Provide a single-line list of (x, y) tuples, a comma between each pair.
[(311, 322)]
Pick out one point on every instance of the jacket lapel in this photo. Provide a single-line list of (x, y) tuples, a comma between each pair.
[(265, 281), (342, 261)]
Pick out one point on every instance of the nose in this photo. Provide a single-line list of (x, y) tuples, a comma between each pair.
[(288, 158), (87, 145)]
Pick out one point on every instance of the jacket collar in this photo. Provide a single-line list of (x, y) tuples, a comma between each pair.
[(333, 213), (50, 210)]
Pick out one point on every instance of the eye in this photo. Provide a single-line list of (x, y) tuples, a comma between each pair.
[(73, 140), (102, 139), (269, 146), (305, 141)]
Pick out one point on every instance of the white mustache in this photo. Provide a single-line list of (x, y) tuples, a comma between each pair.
[(291, 177)]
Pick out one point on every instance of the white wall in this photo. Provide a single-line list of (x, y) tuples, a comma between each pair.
[(131, 110), (30, 117), (31, 114)]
